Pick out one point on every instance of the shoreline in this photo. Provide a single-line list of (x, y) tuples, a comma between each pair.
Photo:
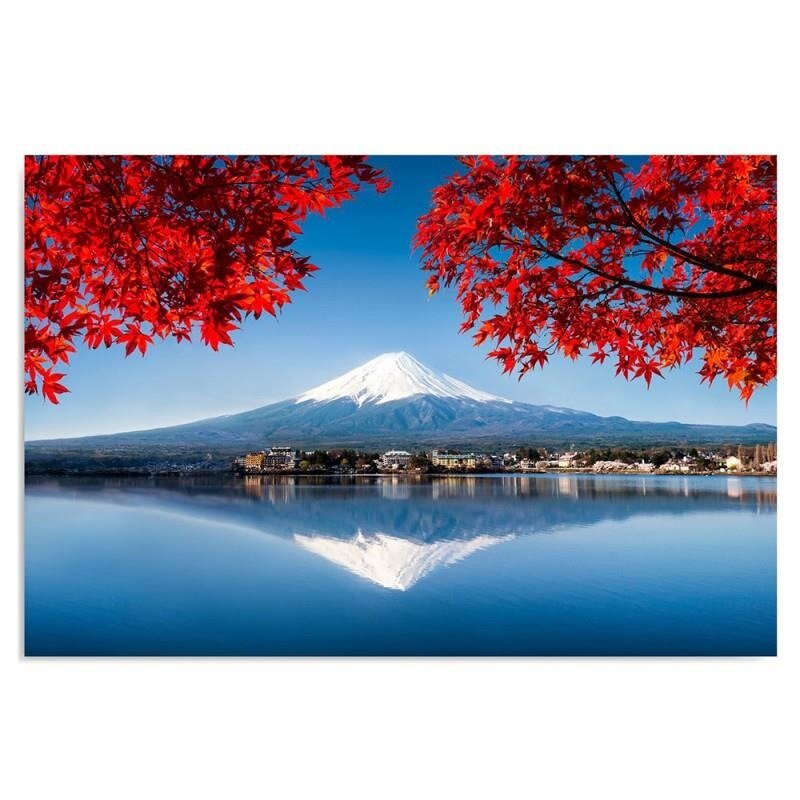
[(122, 473)]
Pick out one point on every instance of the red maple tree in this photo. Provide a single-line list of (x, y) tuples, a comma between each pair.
[(130, 249), (571, 254)]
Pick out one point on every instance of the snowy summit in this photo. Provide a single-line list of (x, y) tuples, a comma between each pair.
[(394, 376)]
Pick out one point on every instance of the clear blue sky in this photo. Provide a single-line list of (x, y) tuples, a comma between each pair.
[(368, 298)]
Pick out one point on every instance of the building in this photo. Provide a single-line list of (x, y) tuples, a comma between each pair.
[(567, 460), (395, 459), (454, 460), (279, 458), (684, 466), (529, 465), (275, 459), (253, 462)]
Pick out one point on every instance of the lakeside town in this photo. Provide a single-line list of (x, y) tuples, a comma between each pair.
[(757, 459)]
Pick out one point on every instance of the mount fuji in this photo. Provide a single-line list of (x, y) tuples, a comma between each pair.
[(394, 400)]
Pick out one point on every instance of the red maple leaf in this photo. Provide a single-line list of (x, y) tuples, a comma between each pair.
[(51, 387)]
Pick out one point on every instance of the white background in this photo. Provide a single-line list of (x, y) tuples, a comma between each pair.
[(398, 78)]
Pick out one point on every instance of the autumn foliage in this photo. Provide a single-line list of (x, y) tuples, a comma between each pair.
[(646, 265), (130, 249)]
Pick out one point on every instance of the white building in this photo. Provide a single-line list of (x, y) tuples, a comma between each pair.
[(567, 460), (676, 466), (395, 459), (732, 463)]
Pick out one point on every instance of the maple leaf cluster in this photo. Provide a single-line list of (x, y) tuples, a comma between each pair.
[(587, 255), (130, 249)]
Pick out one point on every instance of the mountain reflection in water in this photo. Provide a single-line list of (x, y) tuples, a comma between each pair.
[(394, 531)]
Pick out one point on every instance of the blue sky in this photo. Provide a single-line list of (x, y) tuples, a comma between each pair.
[(368, 298)]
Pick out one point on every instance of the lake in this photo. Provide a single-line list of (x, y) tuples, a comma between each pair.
[(485, 565)]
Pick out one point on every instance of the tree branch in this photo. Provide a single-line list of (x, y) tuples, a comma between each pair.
[(678, 293), (679, 252)]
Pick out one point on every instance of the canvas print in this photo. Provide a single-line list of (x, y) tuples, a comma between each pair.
[(400, 405)]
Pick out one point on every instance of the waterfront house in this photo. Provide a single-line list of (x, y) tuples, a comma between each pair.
[(276, 459), (395, 459), (454, 460), (567, 460), (253, 462), (279, 458)]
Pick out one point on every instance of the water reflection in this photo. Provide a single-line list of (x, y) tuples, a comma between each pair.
[(394, 531), (734, 487), (391, 561)]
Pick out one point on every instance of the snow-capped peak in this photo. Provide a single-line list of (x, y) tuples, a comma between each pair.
[(393, 376)]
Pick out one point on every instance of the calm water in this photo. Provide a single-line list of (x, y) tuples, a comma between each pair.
[(540, 565)]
